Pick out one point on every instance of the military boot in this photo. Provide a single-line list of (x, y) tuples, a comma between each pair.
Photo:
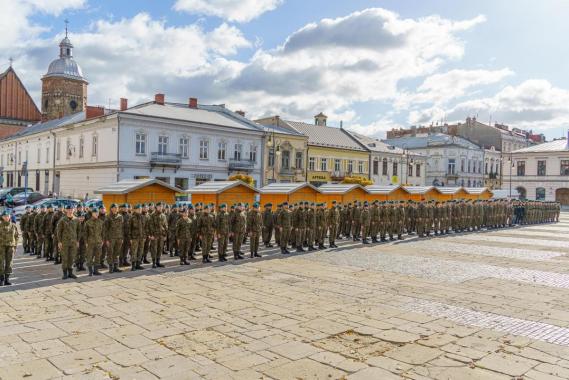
[(300, 249), (311, 248), (103, 266), (90, 267), (145, 260), (221, 258), (80, 267), (96, 271), (1, 280), (70, 274), (6, 280), (65, 275), (153, 263), (133, 267), (138, 266), (116, 268), (158, 263), (284, 251), (205, 259)]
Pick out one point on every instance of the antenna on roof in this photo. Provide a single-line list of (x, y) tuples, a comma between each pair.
[(11, 61), (341, 124)]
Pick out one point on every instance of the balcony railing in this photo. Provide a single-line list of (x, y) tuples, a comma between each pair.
[(158, 158), (241, 164)]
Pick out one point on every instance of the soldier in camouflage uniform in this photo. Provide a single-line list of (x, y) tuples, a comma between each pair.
[(310, 219), (332, 221), (254, 229), (195, 233), (320, 216), (48, 233), (374, 221), (25, 230), (299, 225), (146, 248), (184, 236), (57, 215), (123, 257), (284, 223), (114, 230), (38, 228), (365, 222), (206, 226), (80, 258), (238, 230), (276, 226), (93, 242), (222, 232), (268, 225), (104, 248), (8, 241), (31, 230), (355, 217), (172, 226), (157, 230), (68, 241), (137, 235)]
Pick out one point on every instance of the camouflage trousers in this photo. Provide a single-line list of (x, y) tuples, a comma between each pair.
[(156, 247), (278, 236), (267, 234), (39, 245), (114, 251), (48, 246), (93, 253), (6, 256), (254, 244), (365, 230), (184, 248), (68, 253), (80, 257), (332, 231), (299, 235), (237, 241), (284, 235), (26, 242), (207, 242), (374, 229), (309, 236), (136, 249), (172, 243), (222, 240)]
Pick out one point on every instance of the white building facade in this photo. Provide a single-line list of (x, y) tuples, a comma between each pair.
[(539, 172), (183, 145), (450, 160)]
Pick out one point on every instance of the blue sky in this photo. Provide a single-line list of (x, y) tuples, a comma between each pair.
[(374, 65)]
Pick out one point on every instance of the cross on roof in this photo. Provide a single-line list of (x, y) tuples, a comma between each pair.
[(11, 61)]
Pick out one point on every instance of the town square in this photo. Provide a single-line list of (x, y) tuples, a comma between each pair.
[(284, 189)]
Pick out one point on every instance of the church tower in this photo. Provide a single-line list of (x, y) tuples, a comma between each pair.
[(64, 89)]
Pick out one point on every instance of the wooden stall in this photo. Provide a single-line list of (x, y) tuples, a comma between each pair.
[(138, 191), (386, 193), (478, 193), (422, 193), (344, 193), (218, 192), (449, 193), (291, 192)]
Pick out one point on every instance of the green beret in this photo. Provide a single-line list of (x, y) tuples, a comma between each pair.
[(206, 207), (159, 204), (68, 207), (285, 203), (268, 205), (95, 210), (5, 212), (113, 205), (256, 204), (137, 206), (190, 207), (223, 205)]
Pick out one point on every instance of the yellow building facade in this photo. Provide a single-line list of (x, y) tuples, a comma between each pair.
[(326, 165)]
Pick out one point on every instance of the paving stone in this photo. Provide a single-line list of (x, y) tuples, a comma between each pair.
[(76, 362), (413, 354), (171, 366), (295, 350), (30, 370), (507, 364), (305, 369), (397, 336), (465, 373), (373, 373), (128, 358)]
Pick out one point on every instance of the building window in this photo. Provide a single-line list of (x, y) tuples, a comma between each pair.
[(395, 169), (95, 145), (253, 153), (565, 167), (285, 160), (271, 157), (479, 167), (221, 151), (47, 155), (323, 164), (462, 165), (184, 147), (81, 146), (360, 166), (68, 149), (410, 170), (38, 157), (298, 160), (375, 167), (163, 144), (204, 150), (541, 167), (540, 194), (417, 170), (238, 149), (384, 167), (337, 165), (451, 167), (20, 157), (486, 168), (312, 163), (521, 168), (350, 166), (181, 183), (140, 144)]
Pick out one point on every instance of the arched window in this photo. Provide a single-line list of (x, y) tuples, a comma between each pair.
[(540, 194)]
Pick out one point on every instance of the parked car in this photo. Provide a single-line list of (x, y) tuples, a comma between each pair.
[(9, 192), (55, 202), (98, 203), (24, 199)]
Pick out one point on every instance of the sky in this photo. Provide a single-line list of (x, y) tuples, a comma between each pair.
[(372, 65)]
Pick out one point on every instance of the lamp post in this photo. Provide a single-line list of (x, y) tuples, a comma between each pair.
[(275, 149)]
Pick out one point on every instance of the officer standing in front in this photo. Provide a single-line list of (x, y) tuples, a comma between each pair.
[(8, 241), (68, 241)]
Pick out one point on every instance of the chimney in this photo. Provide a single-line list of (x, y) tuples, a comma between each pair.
[(242, 113), (159, 99), (124, 104), (92, 111), (193, 103)]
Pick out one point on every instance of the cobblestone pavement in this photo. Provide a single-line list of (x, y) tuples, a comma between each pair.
[(488, 305)]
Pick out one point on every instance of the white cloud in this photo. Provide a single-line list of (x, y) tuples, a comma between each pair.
[(376, 128), (239, 11), (533, 104), (440, 88), (18, 30)]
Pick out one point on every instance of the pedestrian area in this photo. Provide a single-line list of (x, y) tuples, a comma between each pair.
[(488, 305)]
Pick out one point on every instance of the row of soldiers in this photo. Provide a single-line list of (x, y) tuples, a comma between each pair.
[(104, 240)]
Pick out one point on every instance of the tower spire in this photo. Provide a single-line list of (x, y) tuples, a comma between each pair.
[(66, 21)]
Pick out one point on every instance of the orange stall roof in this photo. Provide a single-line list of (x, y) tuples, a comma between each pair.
[(217, 187), (285, 187), (338, 188), (130, 185), (376, 189)]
